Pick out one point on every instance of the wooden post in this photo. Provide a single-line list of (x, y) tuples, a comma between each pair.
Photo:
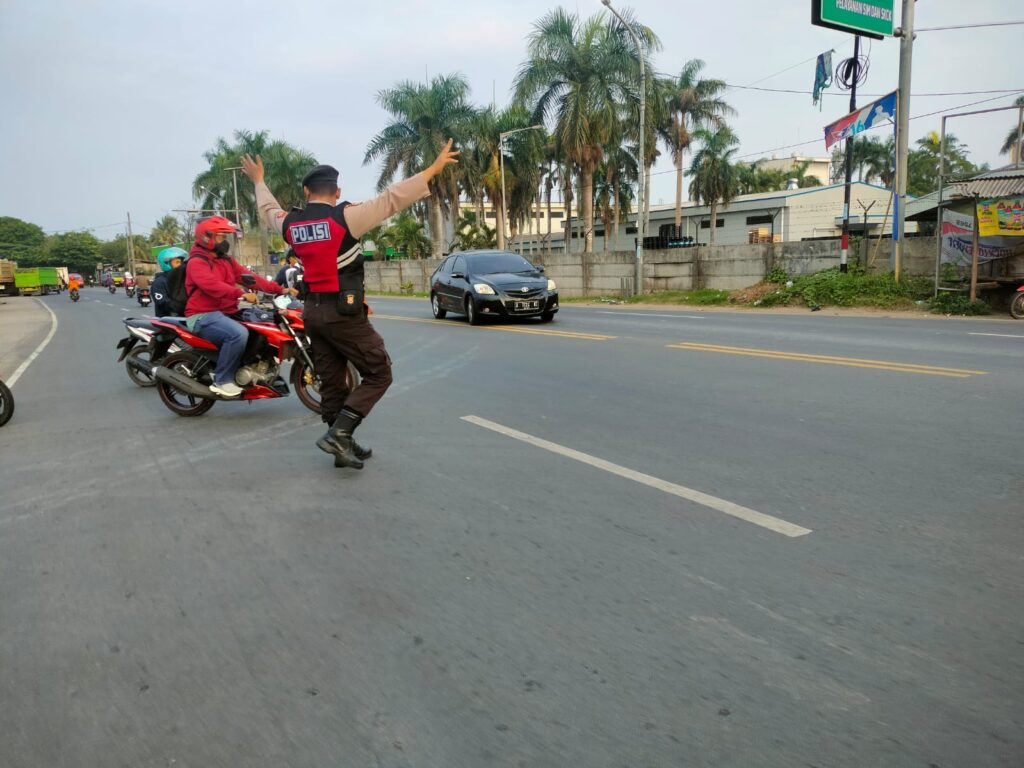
[(974, 253)]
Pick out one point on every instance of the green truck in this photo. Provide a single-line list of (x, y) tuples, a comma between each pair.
[(41, 280)]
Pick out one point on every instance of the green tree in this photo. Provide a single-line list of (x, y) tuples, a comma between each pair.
[(78, 251), (405, 234), (694, 102), (714, 175), (167, 231), (923, 163), (424, 117), (472, 233), (285, 166), (20, 240), (576, 76), (1014, 144)]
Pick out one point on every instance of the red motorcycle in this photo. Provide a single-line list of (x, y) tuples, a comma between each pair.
[(276, 334), (1017, 304)]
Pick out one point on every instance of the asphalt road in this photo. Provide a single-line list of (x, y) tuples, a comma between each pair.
[(660, 538)]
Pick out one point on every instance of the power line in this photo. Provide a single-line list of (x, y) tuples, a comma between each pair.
[(819, 140), (970, 26), (846, 41), (874, 95)]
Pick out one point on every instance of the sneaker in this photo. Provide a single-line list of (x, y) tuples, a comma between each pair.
[(226, 389)]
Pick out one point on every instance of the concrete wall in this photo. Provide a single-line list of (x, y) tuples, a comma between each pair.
[(723, 267)]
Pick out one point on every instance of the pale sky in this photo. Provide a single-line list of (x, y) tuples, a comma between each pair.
[(108, 105)]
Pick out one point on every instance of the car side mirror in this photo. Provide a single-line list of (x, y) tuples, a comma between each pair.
[(458, 276), (539, 268)]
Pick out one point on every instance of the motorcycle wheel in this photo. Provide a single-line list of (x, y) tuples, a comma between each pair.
[(1017, 306), (112, 289), (137, 376), (6, 404), (306, 383), (182, 403)]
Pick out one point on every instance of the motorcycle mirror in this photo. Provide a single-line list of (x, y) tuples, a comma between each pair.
[(248, 280)]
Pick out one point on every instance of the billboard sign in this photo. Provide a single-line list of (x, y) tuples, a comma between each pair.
[(875, 114), (871, 18)]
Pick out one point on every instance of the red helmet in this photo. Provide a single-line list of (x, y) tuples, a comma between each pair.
[(207, 228)]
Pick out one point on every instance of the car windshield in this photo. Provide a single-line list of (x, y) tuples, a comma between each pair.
[(492, 263)]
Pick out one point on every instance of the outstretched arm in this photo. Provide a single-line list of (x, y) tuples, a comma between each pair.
[(270, 210), (365, 216)]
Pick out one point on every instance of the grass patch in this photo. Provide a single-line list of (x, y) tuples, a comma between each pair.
[(406, 294), (701, 297), (947, 303), (855, 288)]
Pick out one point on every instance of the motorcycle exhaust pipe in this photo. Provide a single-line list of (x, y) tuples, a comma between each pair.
[(138, 364), (181, 382)]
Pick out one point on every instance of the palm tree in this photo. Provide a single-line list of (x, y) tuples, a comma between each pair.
[(405, 234), (1014, 144), (166, 232), (424, 118), (714, 175), (285, 167), (576, 75), (694, 103)]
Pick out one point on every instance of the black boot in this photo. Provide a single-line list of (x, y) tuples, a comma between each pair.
[(338, 440), (357, 449)]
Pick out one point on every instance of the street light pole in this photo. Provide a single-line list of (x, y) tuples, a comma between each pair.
[(641, 217), (501, 160)]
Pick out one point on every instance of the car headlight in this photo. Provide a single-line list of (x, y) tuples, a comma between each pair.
[(551, 285), (483, 288)]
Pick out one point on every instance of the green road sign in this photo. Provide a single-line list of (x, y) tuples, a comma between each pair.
[(873, 18)]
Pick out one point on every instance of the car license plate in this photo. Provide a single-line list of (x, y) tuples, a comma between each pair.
[(525, 305)]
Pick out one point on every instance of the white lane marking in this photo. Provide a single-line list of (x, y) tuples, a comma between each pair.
[(1001, 335), (650, 314), (712, 502), (108, 303), (42, 345), (125, 310)]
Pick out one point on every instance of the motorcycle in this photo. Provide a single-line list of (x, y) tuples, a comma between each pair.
[(143, 348), (144, 297), (6, 404), (130, 291), (74, 294), (112, 288), (1017, 304), (276, 334)]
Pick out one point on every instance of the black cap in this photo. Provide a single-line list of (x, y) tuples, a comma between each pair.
[(321, 173)]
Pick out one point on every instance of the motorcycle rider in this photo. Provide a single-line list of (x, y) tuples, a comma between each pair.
[(325, 237), (72, 286), (212, 280), (291, 261), (163, 304)]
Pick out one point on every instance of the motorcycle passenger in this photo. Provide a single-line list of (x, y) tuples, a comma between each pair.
[(212, 280), (164, 305), (290, 262), (325, 235)]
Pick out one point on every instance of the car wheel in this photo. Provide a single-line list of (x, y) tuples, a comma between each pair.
[(547, 317), (435, 307), (471, 314)]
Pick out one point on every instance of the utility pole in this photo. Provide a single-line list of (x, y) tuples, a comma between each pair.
[(131, 247), (906, 34), (638, 280), (845, 253)]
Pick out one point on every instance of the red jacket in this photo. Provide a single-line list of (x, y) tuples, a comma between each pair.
[(211, 282)]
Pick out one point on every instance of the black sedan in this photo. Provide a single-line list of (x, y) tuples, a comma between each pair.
[(480, 284)]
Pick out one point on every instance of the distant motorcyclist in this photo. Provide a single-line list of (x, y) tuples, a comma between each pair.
[(164, 304)]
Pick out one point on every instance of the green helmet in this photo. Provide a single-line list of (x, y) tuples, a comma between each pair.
[(167, 255)]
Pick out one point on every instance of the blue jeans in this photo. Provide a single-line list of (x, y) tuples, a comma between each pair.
[(230, 337)]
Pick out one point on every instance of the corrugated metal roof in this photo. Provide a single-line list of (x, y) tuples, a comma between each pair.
[(999, 182)]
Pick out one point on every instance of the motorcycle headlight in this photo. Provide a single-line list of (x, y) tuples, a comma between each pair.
[(551, 285), (483, 288)]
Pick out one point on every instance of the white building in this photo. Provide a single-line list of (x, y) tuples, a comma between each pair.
[(785, 216)]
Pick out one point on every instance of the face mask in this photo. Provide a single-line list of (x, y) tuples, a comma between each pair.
[(222, 248)]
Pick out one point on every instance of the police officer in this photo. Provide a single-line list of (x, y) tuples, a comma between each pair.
[(325, 237)]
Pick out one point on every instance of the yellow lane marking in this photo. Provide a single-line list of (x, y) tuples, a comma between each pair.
[(883, 365), (507, 329)]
